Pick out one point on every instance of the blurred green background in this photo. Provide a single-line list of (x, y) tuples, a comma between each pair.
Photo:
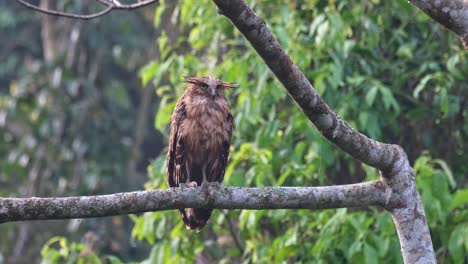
[(85, 106)]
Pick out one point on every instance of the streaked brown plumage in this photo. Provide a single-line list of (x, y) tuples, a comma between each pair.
[(201, 129)]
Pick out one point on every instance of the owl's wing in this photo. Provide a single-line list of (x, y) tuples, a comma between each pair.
[(225, 148), (176, 172)]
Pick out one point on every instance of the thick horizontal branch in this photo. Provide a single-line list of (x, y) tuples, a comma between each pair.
[(385, 157), (210, 196), (453, 14)]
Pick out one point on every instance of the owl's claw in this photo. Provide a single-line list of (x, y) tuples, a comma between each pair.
[(189, 185)]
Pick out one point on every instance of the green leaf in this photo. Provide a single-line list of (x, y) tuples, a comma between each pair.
[(158, 13), (49, 254), (444, 101), (370, 254), (460, 199), (283, 178), (405, 51), (421, 85), (137, 230), (154, 71), (163, 116), (458, 243), (447, 172), (114, 260), (164, 48), (388, 99), (451, 67), (370, 96), (148, 227), (148, 72), (355, 248)]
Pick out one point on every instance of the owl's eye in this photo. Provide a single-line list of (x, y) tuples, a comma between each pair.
[(218, 86), (204, 85)]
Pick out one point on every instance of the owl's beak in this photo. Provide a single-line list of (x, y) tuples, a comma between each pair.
[(213, 92)]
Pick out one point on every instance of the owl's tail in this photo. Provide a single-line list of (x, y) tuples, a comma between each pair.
[(195, 218)]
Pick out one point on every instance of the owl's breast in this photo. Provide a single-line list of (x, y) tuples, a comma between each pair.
[(205, 135)]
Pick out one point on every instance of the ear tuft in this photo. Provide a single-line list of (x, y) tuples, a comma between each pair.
[(193, 80), (228, 85)]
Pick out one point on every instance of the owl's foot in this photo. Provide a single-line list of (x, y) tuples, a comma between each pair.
[(189, 185), (210, 184)]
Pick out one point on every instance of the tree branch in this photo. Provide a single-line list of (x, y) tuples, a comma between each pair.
[(396, 192), (410, 221), (65, 14), (211, 196), (453, 14), (109, 6), (337, 131), (391, 160)]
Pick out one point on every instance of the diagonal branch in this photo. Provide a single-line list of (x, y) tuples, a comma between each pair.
[(374, 153), (453, 14), (396, 192), (109, 4), (391, 160), (211, 196), (65, 14)]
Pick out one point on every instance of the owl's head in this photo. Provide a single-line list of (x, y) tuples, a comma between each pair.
[(208, 86)]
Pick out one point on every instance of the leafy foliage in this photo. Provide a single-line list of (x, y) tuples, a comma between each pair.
[(67, 120), (69, 253), (388, 73), (387, 69)]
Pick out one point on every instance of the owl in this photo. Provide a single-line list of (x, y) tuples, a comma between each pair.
[(200, 138)]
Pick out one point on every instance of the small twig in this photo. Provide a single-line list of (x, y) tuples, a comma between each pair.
[(118, 5), (65, 14), (104, 2), (110, 5)]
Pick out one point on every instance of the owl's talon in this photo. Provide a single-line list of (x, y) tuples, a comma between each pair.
[(192, 184), (188, 185)]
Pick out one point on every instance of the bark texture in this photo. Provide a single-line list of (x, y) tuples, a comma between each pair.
[(369, 151), (396, 192), (211, 196), (453, 14), (391, 160)]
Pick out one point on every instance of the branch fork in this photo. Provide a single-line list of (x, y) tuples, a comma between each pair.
[(108, 4), (396, 191)]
